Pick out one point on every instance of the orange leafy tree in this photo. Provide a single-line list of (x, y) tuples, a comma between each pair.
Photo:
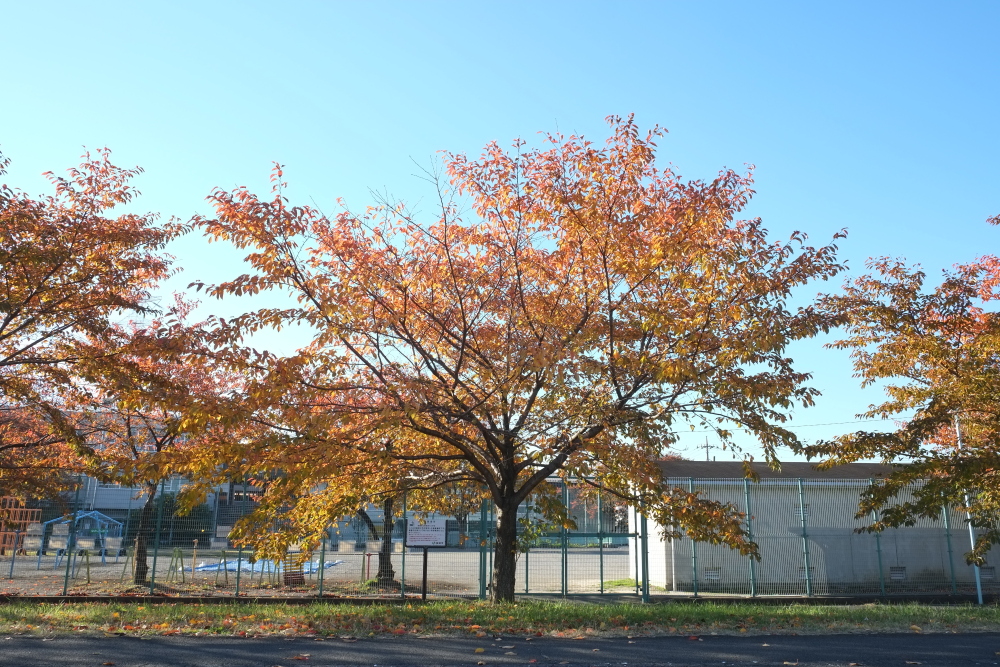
[(563, 312), (302, 454), (35, 460), (130, 408), (67, 270), (937, 351)]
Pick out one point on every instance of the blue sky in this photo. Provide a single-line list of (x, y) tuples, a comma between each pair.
[(878, 117)]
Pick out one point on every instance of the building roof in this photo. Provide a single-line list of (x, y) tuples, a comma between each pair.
[(791, 470)]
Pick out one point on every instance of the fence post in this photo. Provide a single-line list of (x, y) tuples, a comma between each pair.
[(527, 548), (645, 559), (565, 546), (947, 537), (239, 552), (878, 547), (634, 540), (600, 532), (805, 539), (753, 564), (13, 553), (402, 566), (156, 549), (71, 542), (972, 544), (968, 514), (239, 569), (492, 539), (482, 550), (694, 550), (322, 560)]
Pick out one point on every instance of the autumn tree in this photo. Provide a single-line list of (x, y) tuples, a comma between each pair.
[(67, 271), (936, 351), (564, 311), (36, 461), (306, 460), (129, 407)]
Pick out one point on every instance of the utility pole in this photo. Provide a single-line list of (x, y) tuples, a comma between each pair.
[(706, 447)]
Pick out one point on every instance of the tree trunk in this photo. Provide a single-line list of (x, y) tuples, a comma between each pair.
[(142, 537), (505, 554), (386, 576), (369, 524)]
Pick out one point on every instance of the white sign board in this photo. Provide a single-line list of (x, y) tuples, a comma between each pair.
[(432, 533)]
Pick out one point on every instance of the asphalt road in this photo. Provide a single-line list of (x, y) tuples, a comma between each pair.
[(833, 650)]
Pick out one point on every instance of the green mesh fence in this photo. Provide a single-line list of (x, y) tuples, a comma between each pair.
[(108, 540), (806, 532)]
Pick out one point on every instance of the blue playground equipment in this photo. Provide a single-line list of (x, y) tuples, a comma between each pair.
[(94, 532), (262, 565)]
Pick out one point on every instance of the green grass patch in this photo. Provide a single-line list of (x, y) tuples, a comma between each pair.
[(466, 617), (620, 583)]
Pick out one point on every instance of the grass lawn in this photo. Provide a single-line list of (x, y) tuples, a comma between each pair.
[(477, 618)]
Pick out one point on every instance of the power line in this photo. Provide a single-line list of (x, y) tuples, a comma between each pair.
[(795, 426)]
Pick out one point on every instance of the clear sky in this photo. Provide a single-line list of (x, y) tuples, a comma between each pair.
[(876, 116)]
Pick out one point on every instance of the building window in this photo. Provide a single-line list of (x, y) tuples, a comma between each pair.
[(113, 485), (713, 573), (987, 573), (897, 573)]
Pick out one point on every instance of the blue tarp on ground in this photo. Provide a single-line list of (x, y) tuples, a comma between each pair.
[(260, 566)]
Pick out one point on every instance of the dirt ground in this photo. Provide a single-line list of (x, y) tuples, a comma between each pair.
[(449, 572)]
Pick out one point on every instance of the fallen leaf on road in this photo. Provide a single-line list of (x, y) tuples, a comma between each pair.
[(596, 650), (107, 663), (790, 663), (507, 646), (480, 650), (510, 653), (915, 628), (300, 656), (765, 644)]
